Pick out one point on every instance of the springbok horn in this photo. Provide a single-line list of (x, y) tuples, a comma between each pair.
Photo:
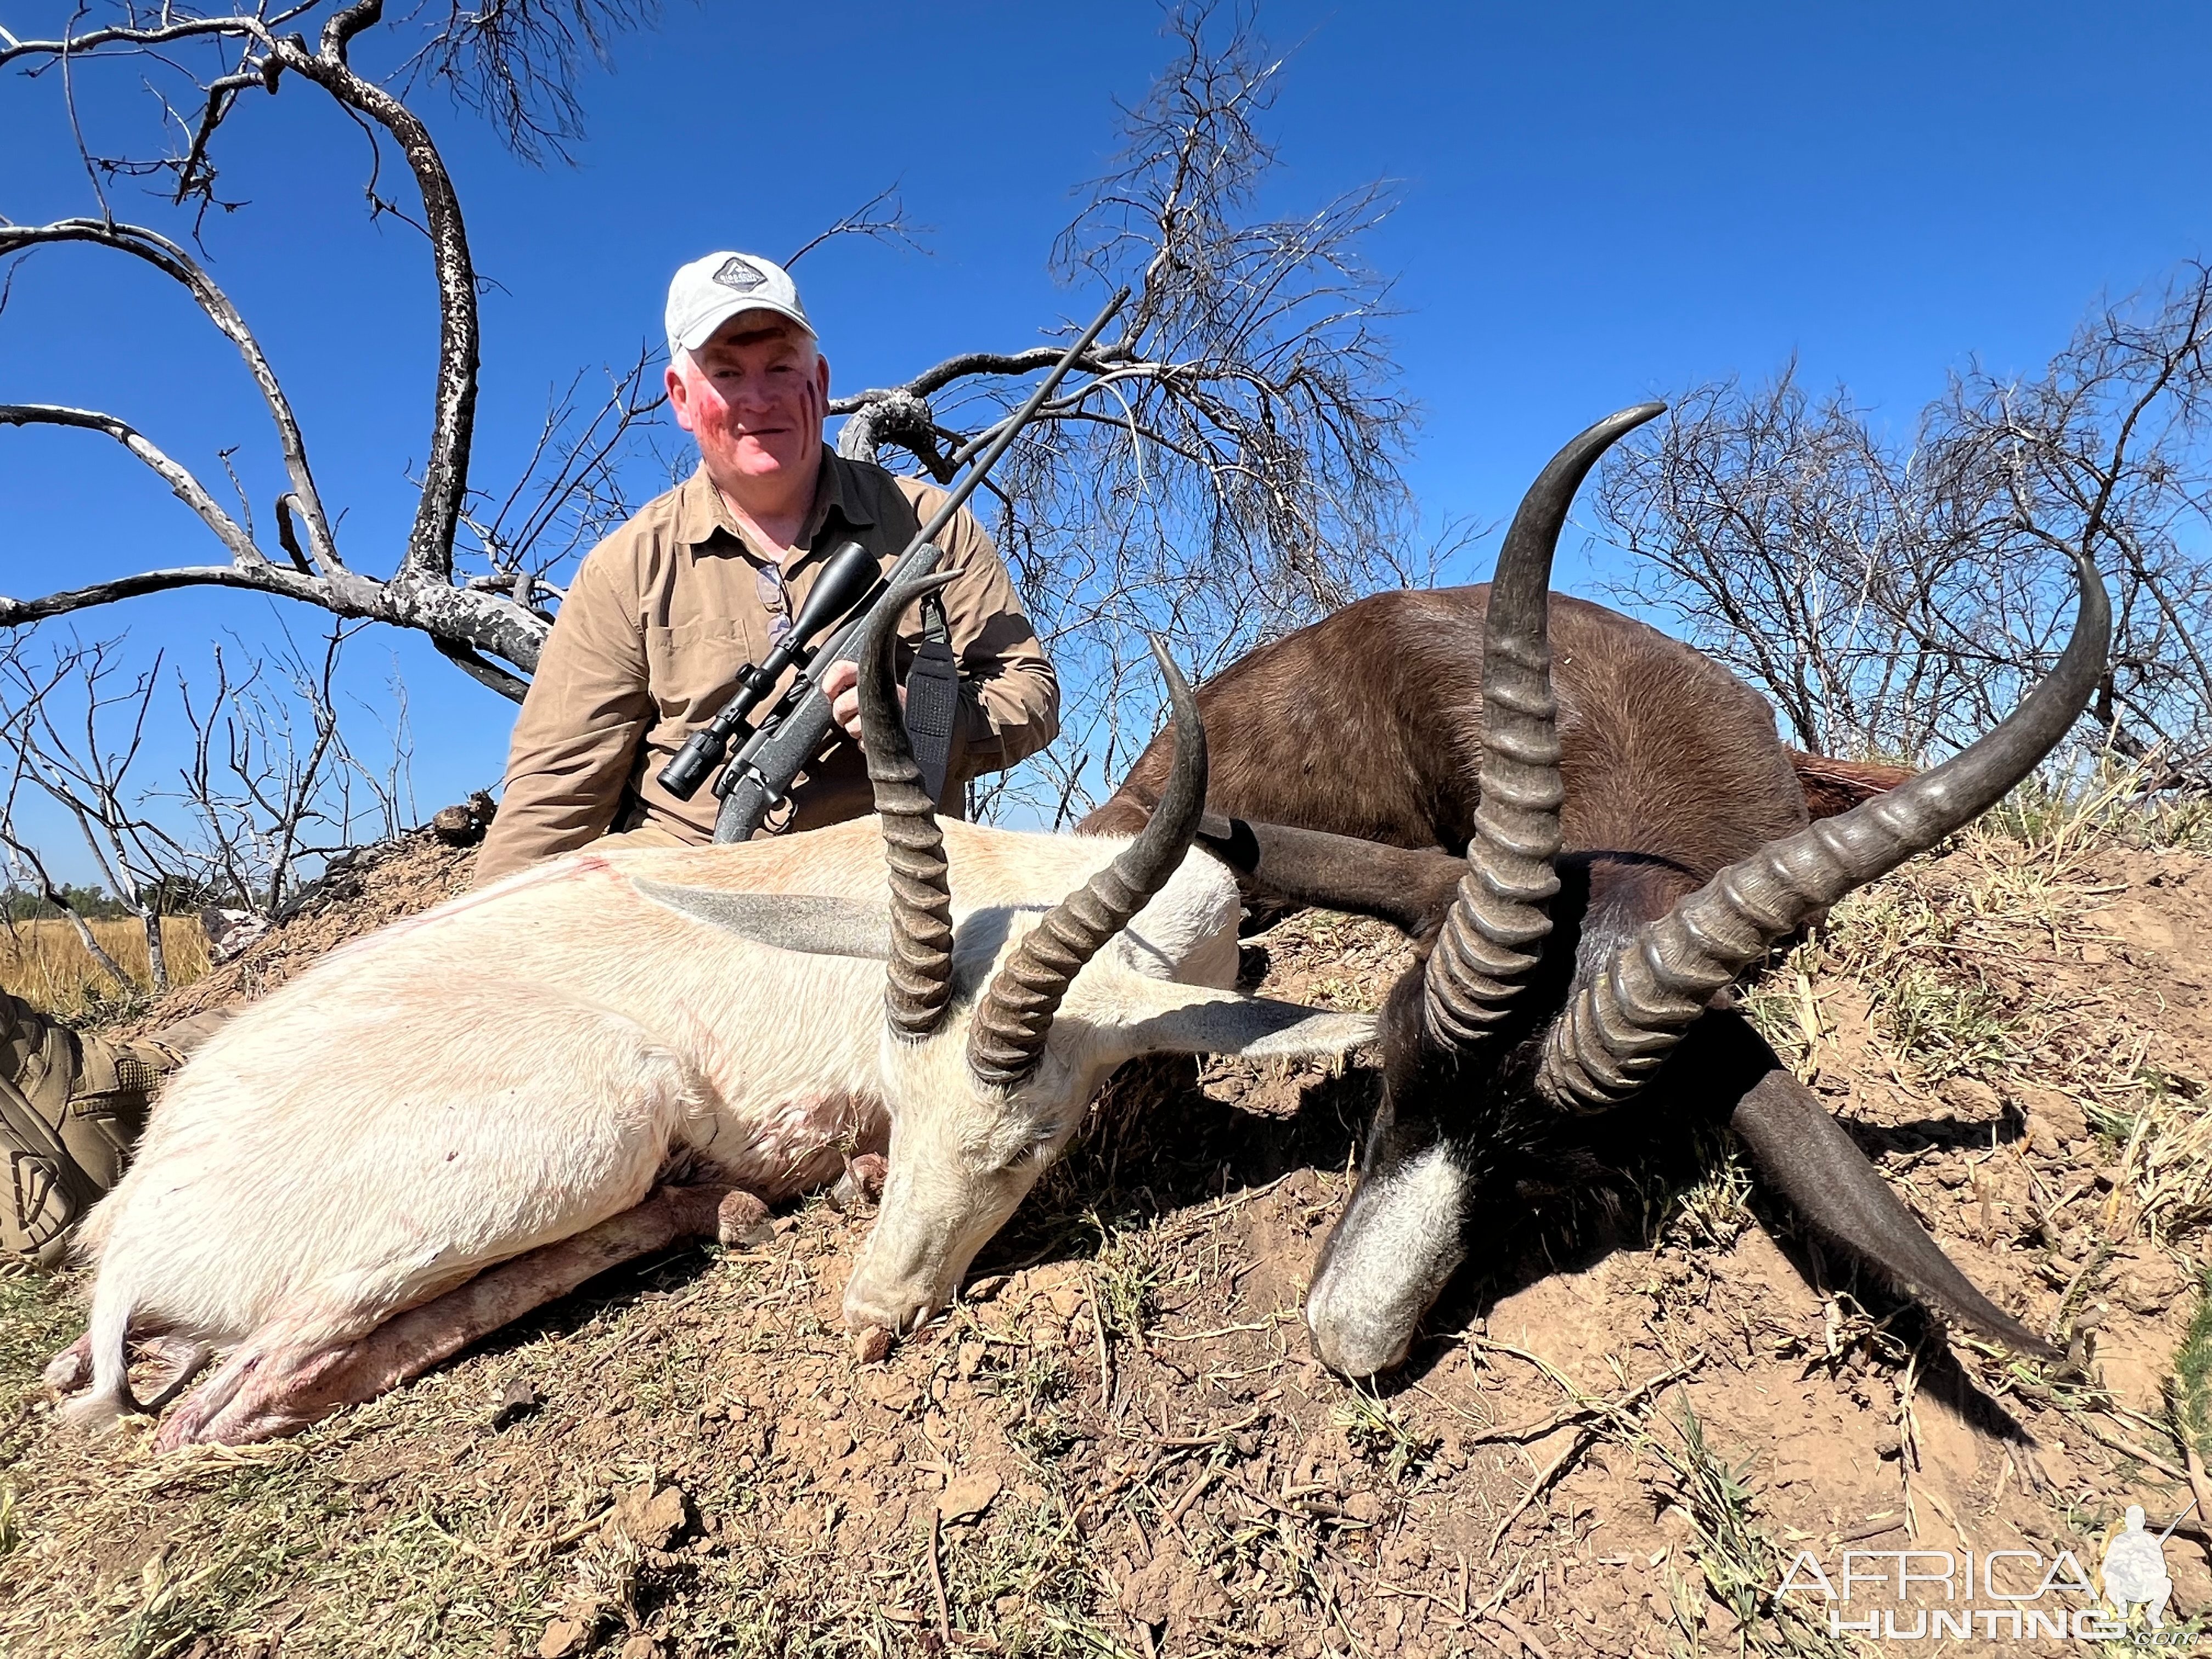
[(1805, 1155), (918, 982), (1629, 1016), (1493, 939), (1016, 1016)]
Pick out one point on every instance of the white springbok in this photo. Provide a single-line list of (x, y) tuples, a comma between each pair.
[(455, 1119)]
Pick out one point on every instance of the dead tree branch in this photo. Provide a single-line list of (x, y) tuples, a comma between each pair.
[(1227, 468), (61, 721), (272, 783), (1897, 597), (881, 218), (517, 62)]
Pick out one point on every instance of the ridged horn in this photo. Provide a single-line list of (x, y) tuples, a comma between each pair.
[(918, 984), (1492, 940), (1629, 1016), (1016, 1016), (1804, 1154)]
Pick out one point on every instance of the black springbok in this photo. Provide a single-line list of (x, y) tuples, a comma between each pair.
[(1636, 837)]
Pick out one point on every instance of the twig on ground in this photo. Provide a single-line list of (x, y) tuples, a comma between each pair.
[(1192, 1493), (937, 1575), (1528, 1432), (1105, 1358), (2200, 1487), (1560, 1379), (1586, 1433), (1867, 1529), (1583, 1438), (1522, 1633), (2098, 1257), (2128, 1448), (1199, 1441)]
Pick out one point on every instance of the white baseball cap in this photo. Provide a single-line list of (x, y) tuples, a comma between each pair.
[(708, 292)]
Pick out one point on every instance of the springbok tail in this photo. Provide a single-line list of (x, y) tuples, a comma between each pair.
[(110, 1396)]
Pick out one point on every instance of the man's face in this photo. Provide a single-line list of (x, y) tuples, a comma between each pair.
[(754, 396)]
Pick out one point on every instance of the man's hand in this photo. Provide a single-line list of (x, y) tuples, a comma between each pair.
[(841, 683)]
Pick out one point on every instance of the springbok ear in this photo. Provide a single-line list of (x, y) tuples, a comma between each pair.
[(805, 922), (1410, 888), (1190, 1019)]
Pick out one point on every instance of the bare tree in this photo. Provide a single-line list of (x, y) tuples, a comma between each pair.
[(1227, 466), (1897, 596), (517, 62), (60, 722), (270, 786), (273, 784)]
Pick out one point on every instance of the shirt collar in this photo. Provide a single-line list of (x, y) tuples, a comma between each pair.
[(840, 489), (701, 513)]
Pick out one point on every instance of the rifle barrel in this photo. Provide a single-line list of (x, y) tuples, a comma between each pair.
[(980, 466)]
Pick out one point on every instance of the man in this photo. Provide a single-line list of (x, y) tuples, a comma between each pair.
[(650, 637), (706, 577)]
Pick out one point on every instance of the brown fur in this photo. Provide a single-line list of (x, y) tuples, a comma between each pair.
[(1369, 723), (1834, 785)]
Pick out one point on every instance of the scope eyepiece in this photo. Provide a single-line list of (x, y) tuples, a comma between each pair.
[(700, 754)]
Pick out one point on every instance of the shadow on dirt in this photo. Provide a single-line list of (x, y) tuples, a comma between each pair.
[(1159, 1141)]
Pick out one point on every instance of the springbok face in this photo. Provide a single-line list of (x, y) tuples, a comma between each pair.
[(1479, 1031), (997, 1032), (964, 1153)]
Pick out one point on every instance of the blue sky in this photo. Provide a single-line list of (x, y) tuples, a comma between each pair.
[(1600, 204)]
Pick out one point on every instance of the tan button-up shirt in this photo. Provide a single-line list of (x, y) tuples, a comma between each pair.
[(663, 613)]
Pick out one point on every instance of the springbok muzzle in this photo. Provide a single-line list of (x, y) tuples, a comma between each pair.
[(1391, 1253)]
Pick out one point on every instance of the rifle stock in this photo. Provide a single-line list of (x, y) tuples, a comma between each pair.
[(796, 731)]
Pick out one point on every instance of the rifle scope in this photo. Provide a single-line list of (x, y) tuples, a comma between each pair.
[(844, 582)]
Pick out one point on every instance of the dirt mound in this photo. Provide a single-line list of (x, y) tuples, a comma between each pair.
[(361, 893), (1619, 1437)]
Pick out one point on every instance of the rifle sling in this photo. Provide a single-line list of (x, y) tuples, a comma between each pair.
[(932, 699)]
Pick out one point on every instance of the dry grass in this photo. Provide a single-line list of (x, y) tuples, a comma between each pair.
[(45, 963)]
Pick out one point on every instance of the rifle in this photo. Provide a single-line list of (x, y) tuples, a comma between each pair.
[(797, 728)]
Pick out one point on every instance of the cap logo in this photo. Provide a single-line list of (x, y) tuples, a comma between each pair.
[(740, 274)]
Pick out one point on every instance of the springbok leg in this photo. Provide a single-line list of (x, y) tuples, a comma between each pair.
[(71, 1369), (862, 1183), (268, 1387)]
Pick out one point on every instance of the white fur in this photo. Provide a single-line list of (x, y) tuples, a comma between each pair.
[(1398, 1244), (525, 1061)]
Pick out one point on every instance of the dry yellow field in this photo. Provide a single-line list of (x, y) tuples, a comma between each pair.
[(47, 965)]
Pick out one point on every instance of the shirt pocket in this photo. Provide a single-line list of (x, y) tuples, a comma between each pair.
[(690, 668)]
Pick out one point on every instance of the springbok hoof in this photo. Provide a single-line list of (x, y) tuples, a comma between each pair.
[(737, 1215), (861, 1183)]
